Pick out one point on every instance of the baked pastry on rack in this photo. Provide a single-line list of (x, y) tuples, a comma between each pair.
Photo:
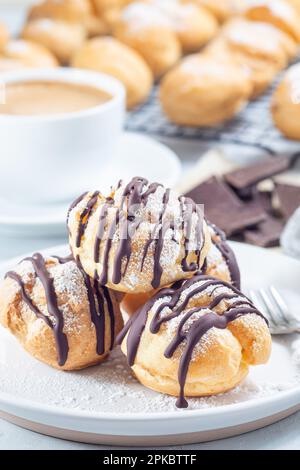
[(110, 56), (62, 38), (58, 314), (204, 91), (285, 106), (259, 47), (222, 9), (193, 25), (280, 13), (139, 238), (195, 338), (29, 54), (144, 28)]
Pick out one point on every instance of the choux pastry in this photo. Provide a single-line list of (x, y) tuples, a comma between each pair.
[(279, 13), (222, 9), (285, 106), (58, 314), (4, 35), (10, 65), (195, 338), (259, 47), (194, 25), (144, 28), (221, 262), (60, 37), (110, 56), (139, 238), (204, 91), (29, 53)]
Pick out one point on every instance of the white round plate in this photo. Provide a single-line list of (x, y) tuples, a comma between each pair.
[(105, 404), (137, 156)]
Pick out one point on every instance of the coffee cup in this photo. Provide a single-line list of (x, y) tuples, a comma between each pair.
[(51, 158)]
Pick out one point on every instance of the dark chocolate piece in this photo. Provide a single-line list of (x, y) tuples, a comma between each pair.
[(288, 197), (248, 176)]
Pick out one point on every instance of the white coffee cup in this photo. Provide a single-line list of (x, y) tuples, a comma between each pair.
[(52, 158)]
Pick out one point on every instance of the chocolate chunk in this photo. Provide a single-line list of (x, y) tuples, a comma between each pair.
[(244, 178), (223, 208), (288, 199), (266, 234)]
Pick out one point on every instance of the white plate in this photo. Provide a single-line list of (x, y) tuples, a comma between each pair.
[(105, 404), (137, 156)]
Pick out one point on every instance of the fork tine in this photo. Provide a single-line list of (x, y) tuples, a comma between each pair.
[(281, 305), (274, 312), (261, 306)]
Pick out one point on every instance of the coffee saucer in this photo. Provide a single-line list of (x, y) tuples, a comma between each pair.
[(137, 155)]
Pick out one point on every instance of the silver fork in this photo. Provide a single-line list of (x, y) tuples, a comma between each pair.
[(271, 304)]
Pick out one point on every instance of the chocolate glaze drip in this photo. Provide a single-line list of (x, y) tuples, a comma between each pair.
[(193, 334), (228, 256), (98, 298), (125, 221)]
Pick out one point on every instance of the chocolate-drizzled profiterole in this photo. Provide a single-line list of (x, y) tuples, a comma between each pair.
[(195, 338), (59, 315), (139, 238)]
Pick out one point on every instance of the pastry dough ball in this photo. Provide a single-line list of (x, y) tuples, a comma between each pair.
[(71, 327), (193, 25), (285, 105), (29, 53), (220, 263), (139, 238), (4, 35), (279, 13), (144, 28), (260, 73), (110, 56), (204, 91), (60, 37), (197, 338), (259, 47)]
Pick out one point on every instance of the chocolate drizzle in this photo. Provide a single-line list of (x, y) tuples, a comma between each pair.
[(190, 336), (135, 197), (228, 255), (98, 297)]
